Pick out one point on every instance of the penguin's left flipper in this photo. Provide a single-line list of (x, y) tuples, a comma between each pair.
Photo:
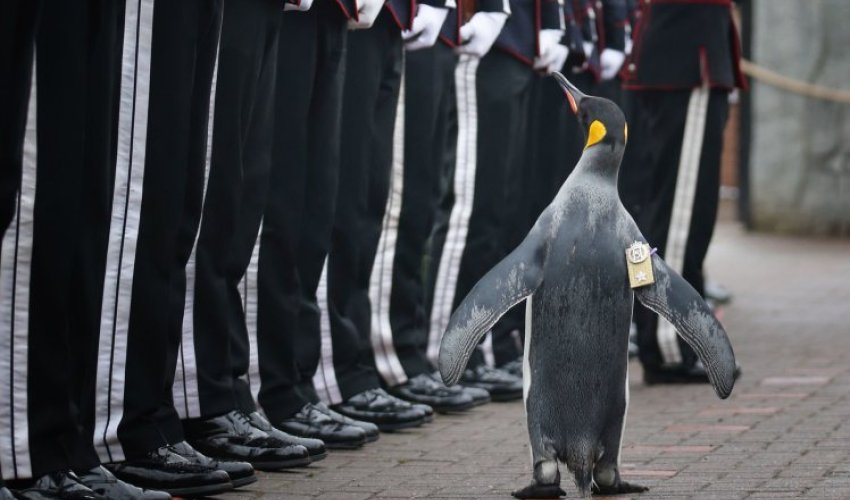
[(513, 279), (675, 299)]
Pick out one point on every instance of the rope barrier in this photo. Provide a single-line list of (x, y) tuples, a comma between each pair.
[(788, 84)]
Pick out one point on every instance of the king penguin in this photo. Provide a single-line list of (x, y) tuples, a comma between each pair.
[(572, 269)]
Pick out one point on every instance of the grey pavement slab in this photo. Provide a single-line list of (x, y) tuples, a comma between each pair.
[(784, 432)]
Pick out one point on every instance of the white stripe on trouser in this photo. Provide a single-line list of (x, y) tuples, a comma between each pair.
[(683, 204), (526, 367), (124, 228), (250, 296), (380, 282), (187, 401), (464, 191), (15, 266), (324, 380)]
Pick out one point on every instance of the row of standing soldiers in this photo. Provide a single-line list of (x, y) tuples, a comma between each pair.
[(234, 230)]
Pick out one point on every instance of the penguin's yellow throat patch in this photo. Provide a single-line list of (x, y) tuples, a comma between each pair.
[(595, 134)]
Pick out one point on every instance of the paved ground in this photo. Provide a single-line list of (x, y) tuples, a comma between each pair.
[(784, 433)]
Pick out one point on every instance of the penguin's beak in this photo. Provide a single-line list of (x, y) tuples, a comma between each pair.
[(574, 95)]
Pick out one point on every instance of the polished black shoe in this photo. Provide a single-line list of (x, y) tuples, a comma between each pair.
[(695, 374), (501, 385), (166, 470), (513, 367), (232, 437), (425, 390), (311, 422), (105, 484), (64, 485), (315, 447), (5, 494), (371, 430), (717, 292), (479, 396), (387, 412), (240, 473)]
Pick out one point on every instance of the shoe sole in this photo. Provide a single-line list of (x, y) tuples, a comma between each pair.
[(454, 408), (282, 464), (245, 481), (345, 446), (481, 402), (318, 456), (397, 426), (199, 491), (372, 439), (504, 398)]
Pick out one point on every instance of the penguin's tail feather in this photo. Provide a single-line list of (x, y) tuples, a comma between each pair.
[(675, 300), (512, 280)]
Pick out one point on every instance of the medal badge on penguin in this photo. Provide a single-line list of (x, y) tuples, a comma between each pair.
[(580, 268)]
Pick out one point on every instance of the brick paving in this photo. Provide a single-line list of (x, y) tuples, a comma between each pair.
[(784, 433)]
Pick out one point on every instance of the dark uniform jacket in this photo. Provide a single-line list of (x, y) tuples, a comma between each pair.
[(519, 37), (600, 22), (681, 44), (463, 10), (403, 12)]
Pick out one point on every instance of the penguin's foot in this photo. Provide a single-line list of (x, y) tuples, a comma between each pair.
[(535, 490), (619, 488)]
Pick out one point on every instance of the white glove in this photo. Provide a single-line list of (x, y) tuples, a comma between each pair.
[(302, 6), (480, 33), (367, 12), (426, 27), (611, 61), (553, 55)]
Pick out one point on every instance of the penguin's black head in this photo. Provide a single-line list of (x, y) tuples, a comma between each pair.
[(602, 121)]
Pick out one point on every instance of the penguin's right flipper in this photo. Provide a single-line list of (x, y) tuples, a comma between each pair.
[(675, 299), (513, 279)]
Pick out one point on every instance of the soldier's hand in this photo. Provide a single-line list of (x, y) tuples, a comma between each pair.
[(480, 33), (367, 12), (553, 54), (426, 27), (299, 5), (611, 61)]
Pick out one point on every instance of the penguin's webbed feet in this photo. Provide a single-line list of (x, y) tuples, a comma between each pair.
[(535, 490), (619, 488)]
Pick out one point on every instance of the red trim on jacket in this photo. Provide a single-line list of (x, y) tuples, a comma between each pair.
[(344, 9), (516, 55)]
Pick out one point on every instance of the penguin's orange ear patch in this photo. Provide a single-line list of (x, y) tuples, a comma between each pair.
[(572, 102), (595, 134)]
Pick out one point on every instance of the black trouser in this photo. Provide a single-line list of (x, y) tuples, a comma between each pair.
[(504, 93), (302, 201), (373, 78), (663, 114), (17, 38), (429, 102), (181, 58), (235, 200), (62, 139)]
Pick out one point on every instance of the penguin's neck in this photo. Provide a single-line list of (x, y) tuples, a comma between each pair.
[(601, 161)]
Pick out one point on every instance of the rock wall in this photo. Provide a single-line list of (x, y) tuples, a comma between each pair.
[(800, 150)]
